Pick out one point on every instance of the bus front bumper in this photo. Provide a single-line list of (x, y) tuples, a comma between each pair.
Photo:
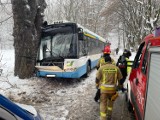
[(74, 74)]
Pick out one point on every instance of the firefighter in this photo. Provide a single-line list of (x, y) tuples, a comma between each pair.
[(101, 62), (107, 77), (106, 52), (124, 65)]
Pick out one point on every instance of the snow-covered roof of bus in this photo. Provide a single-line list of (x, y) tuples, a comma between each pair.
[(86, 31)]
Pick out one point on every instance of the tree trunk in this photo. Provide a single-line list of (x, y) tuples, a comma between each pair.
[(28, 18)]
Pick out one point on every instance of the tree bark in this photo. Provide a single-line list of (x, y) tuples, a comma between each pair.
[(28, 18)]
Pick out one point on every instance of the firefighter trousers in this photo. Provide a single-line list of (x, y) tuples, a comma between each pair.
[(106, 105), (121, 83)]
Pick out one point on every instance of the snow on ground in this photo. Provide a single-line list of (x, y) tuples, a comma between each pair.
[(55, 99)]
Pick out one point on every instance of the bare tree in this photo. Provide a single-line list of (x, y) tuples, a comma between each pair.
[(137, 18), (132, 18), (1, 56), (5, 24), (152, 14), (28, 18), (84, 12)]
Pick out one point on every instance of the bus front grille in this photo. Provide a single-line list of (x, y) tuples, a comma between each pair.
[(59, 64)]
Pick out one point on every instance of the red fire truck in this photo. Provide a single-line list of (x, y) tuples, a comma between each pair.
[(144, 81)]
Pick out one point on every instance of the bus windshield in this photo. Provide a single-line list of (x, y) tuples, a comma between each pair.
[(59, 45)]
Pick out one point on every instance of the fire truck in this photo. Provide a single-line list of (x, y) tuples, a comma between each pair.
[(143, 86)]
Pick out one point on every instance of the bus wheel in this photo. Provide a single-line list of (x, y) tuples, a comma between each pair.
[(88, 69)]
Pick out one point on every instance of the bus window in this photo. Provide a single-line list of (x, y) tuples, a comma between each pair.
[(82, 48), (61, 45)]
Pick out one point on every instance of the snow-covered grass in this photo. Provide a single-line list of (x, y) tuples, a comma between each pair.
[(50, 96)]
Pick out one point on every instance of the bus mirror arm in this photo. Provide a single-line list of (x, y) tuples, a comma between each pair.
[(80, 34)]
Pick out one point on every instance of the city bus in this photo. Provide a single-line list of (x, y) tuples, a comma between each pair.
[(68, 50)]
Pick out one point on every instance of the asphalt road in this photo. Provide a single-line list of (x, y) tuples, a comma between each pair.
[(120, 110)]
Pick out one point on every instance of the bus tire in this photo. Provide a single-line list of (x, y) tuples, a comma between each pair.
[(88, 69)]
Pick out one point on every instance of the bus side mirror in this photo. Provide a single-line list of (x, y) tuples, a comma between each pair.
[(80, 34)]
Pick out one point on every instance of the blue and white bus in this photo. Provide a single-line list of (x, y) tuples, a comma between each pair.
[(68, 50)]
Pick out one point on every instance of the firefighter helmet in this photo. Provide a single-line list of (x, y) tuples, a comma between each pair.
[(127, 53), (107, 50)]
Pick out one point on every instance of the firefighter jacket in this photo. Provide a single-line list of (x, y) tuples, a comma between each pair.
[(102, 62), (125, 65), (107, 77), (129, 66)]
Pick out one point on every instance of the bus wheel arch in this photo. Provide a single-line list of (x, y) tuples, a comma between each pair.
[(88, 68)]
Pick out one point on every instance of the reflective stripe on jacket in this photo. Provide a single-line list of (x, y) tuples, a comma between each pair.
[(129, 66)]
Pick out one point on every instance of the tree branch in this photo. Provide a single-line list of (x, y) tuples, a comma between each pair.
[(6, 19)]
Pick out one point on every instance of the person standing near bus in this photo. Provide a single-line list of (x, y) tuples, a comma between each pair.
[(124, 65), (101, 62), (107, 77)]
